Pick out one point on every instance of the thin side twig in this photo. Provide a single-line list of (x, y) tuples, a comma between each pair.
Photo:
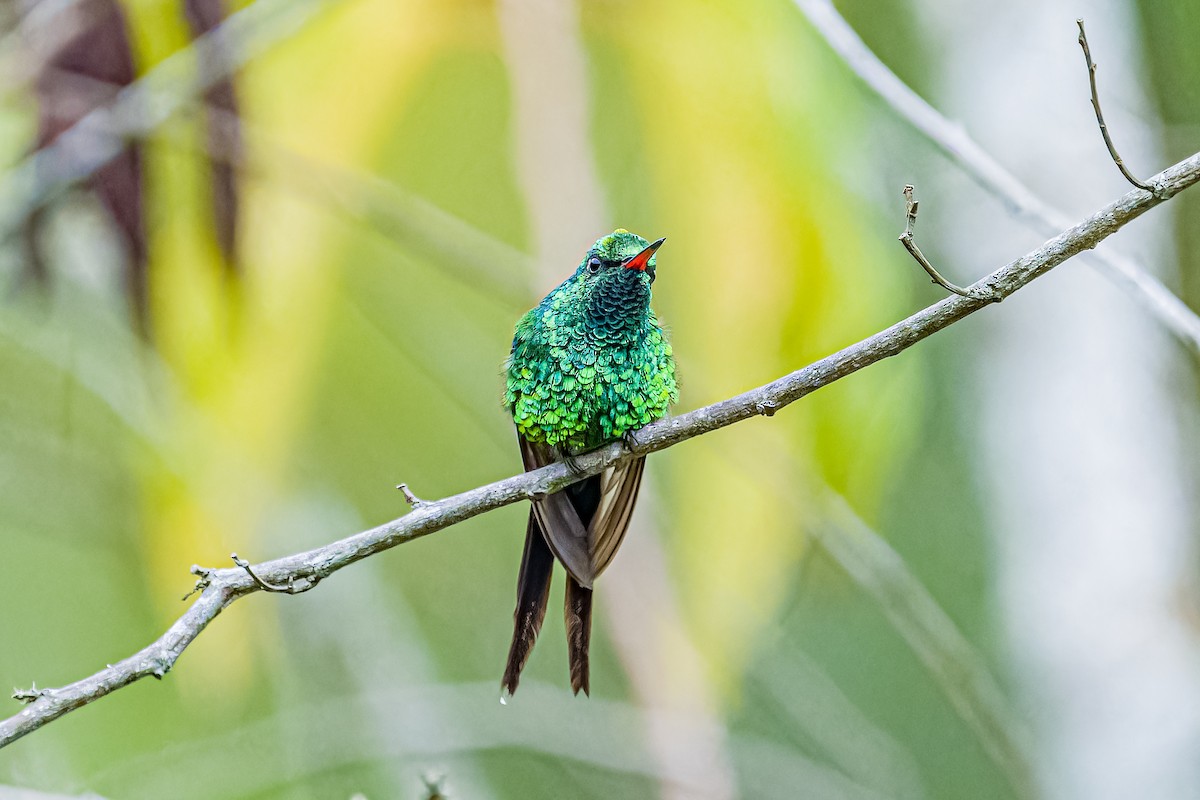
[(910, 244), (203, 579), (1108, 142), (227, 585), (28, 695), (958, 146), (267, 586), (409, 497)]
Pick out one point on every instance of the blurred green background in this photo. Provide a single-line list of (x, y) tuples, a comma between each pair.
[(818, 605)]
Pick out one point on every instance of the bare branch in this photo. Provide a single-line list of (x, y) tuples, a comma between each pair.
[(1108, 142), (226, 585), (910, 244), (964, 151)]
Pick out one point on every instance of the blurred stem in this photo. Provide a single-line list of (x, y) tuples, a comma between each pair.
[(954, 664), (875, 567)]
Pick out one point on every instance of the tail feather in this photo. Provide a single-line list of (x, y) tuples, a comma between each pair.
[(578, 613), (533, 594)]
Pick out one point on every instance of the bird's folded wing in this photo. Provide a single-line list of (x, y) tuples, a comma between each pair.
[(618, 493), (565, 533)]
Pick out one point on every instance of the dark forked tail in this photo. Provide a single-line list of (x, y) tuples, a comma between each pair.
[(537, 563), (533, 593), (578, 614)]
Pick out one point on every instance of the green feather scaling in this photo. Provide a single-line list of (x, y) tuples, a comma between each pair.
[(591, 363)]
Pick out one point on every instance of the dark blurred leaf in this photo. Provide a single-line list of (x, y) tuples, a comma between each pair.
[(83, 71), (224, 131)]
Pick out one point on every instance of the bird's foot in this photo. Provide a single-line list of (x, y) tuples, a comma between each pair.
[(572, 463), (631, 441)]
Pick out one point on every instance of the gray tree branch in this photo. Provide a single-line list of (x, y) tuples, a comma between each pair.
[(953, 140), (219, 588)]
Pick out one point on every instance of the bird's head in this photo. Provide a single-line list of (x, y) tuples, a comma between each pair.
[(614, 282), (618, 251)]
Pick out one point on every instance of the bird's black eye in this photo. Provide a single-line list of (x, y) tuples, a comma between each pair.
[(593, 265)]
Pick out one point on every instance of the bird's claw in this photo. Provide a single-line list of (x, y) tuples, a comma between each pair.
[(631, 441), (573, 465)]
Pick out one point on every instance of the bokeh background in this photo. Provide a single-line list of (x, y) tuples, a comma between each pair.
[(969, 571)]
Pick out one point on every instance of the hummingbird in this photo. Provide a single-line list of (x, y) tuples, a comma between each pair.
[(589, 365)]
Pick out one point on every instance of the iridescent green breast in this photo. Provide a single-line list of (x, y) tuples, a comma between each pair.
[(590, 363)]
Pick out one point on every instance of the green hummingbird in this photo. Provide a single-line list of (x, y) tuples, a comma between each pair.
[(589, 365)]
